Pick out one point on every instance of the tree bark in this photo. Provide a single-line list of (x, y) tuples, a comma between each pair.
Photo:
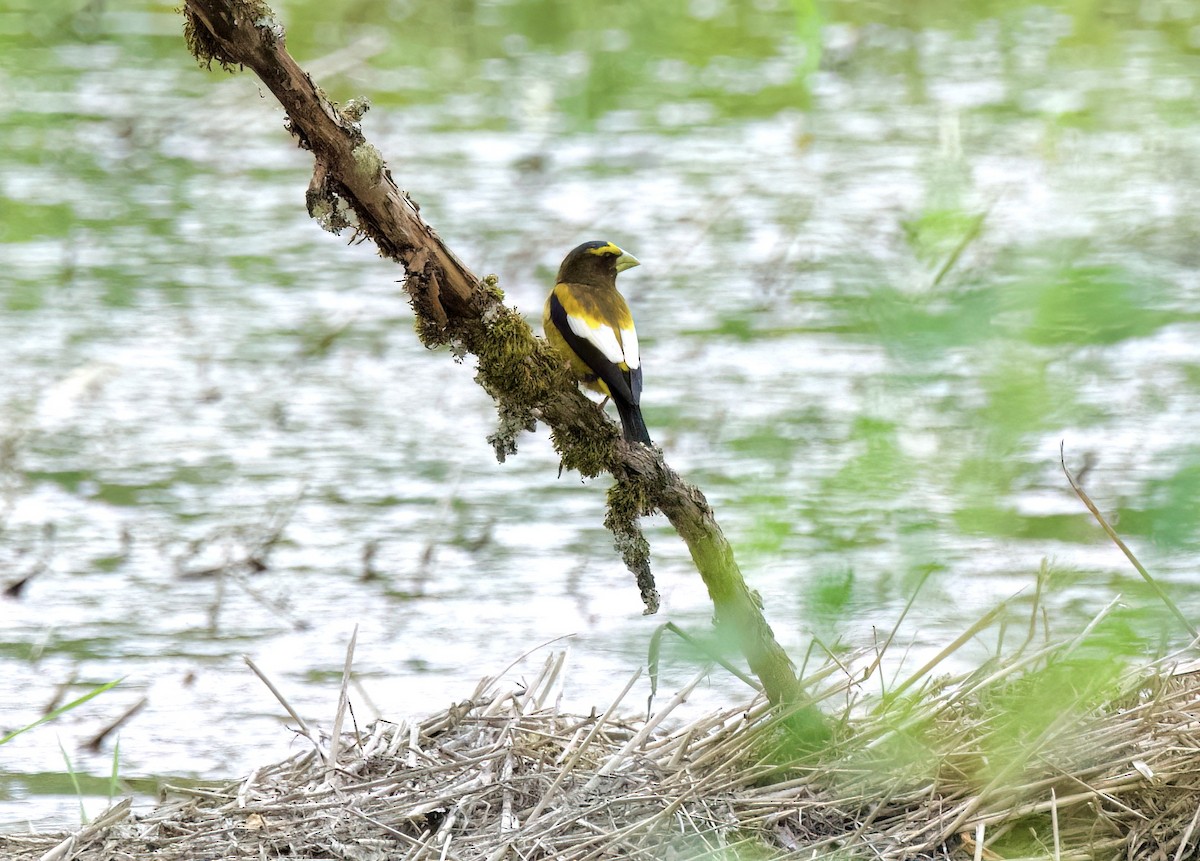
[(352, 187)]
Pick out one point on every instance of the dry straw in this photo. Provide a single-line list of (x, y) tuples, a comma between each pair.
[(1049, 753)]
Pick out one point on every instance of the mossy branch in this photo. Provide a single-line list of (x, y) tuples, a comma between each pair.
[(352, 187)]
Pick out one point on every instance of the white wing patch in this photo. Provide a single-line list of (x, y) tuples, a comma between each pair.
[(629, 339), (602, 337)]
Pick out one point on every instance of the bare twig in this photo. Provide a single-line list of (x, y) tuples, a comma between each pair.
[(343, 703), (300, 722), (1116, 539), (94, 743)]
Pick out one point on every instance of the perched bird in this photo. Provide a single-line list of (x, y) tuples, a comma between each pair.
[(587, 320)]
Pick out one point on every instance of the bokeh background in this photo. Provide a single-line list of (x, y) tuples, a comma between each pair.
[(893, 255)]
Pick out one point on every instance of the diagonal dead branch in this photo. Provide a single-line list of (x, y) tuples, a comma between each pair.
[(353, 187)]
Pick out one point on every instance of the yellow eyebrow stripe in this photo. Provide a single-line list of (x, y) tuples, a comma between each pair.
[(606, 249)]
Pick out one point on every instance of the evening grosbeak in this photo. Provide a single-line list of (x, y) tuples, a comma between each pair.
[(588, 322)]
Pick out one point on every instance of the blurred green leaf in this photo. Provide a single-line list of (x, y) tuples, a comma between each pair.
[(1166, 511), (1087, 303), (830, 593)]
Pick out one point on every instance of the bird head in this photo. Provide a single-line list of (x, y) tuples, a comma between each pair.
[(595, 262)]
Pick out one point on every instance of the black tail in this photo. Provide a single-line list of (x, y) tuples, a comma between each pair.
[(632, 423)]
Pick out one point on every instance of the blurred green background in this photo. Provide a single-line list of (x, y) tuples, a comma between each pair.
[(893, 254)]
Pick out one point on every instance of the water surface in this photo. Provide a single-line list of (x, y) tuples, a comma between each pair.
[(890, 261)]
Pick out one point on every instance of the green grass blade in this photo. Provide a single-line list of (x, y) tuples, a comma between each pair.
[(61, 710), (113, 781), (75, 782)]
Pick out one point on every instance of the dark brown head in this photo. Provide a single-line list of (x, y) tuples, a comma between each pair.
[(596, 262)]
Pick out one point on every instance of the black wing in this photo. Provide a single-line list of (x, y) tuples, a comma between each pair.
[(625, 385)]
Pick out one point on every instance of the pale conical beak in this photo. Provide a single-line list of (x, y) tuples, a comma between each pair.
[(627, 261)]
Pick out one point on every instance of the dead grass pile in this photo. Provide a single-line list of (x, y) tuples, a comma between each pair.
[(1050, 753)]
